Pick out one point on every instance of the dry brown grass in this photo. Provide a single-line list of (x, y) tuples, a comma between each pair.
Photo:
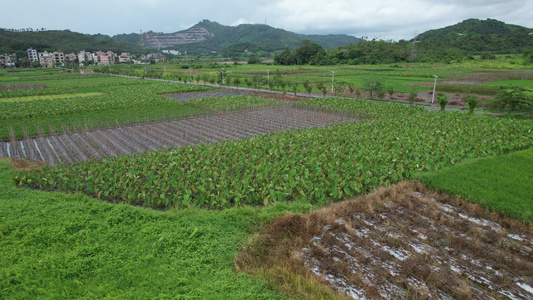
[(25, 165), (403, 241)]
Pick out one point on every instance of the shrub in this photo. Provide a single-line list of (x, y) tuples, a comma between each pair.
[(412, 97), (472, 103), (443, 100)]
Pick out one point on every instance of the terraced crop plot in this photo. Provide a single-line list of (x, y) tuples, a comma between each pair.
[(93, 145)]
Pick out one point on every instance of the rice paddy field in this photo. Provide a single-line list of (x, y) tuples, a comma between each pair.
[(116, 187)]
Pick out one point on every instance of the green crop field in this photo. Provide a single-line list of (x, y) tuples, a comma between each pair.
[(169, 223), (501, 184), (70, 103), (317, 165)]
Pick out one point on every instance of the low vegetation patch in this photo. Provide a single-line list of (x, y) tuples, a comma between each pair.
[(49, 97), (57, 246), (501, 184)]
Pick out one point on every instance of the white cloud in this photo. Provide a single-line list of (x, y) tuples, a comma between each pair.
[(390, 19), (388, 16), (240, 21)]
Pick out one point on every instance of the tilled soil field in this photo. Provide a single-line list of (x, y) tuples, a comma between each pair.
[(97, 144), (407, 242)]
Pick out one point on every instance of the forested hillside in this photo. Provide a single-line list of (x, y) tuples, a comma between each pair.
[(476, 36), (236, 40), (53, 40), (464, 40)]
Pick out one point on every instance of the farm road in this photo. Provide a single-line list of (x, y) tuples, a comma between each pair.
[(244, 90), (126, 140)]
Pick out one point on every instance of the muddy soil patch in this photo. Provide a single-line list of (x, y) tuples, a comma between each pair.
[(401, 242)]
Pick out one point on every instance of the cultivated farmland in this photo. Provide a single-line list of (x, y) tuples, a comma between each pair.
[(126, 140), (193, 158)]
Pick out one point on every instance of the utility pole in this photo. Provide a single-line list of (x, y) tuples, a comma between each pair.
[(268, 78), (141, 39), (332, 78), (413, 49), (434, 87)]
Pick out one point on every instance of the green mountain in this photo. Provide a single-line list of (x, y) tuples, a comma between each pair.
[(53, 40), (211, 37), (477, 36)]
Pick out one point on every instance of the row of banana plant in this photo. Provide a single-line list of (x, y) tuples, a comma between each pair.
[(317, 165)]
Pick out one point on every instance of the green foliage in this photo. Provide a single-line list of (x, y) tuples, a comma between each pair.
[(374, 86), (307, 87), (319, 165), (92, 102), (514, 99), (501, 183), (53, 40), (477, 36), (442, 100), (309, 53), (412, 97), (115, 98), (57, 246), (472, 102), (238, 41)]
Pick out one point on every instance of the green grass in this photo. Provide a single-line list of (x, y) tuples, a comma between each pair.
[(95, 119), (58, 246), (47, 97), (521, 83), (503, 184)]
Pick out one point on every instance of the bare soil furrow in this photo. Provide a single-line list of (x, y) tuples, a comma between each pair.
[(169, 136), (132, 139), (3, 149), (61, 152), (45, 151), (206, 136), (217, 129), (250, 126), (126, 140), (156, 139), (120, 137), (190, 138), (70, 144), (230, 132), (91, 150), (139, 135), (115, 144), (102, 146)]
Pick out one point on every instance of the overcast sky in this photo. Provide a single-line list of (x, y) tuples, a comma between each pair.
[(385, 19)]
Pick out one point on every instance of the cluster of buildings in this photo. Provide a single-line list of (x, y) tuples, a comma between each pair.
[(57, 58)]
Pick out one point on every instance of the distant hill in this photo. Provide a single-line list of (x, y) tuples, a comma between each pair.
[(209, 37), (52, 40), (477, 36)]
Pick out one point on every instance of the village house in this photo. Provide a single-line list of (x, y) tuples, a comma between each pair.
[(124, 57), (104, 58), (32, 55), (8, 60)]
